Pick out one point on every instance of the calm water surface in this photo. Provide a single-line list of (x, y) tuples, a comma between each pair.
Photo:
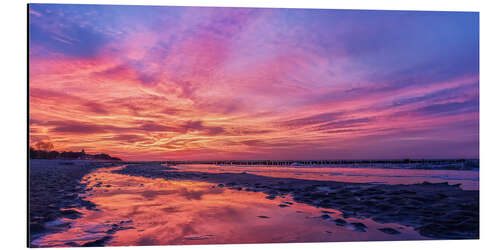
[(143, 211), (469, 179)]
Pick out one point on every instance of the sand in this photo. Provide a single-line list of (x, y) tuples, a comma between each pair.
[(54, 193), (435, 210), (438, 210)]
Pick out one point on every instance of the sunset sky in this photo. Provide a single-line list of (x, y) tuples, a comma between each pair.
[(189, 83)]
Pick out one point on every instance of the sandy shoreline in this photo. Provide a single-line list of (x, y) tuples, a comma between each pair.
[(54, 189), (438, 210)]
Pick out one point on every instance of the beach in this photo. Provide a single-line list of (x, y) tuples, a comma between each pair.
[(54, 189), (81, 203)]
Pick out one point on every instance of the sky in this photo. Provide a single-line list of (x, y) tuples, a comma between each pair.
[(201, 83)]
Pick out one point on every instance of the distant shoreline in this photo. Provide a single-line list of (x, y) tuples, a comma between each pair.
[(434, 164), (444, 164), (68, 155)]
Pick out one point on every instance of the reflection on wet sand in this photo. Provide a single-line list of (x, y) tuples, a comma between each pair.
[(146, 211)]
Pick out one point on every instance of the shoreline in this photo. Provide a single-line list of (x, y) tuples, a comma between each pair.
[(438, 210), (435, 210), (54, 193), (431, 164)]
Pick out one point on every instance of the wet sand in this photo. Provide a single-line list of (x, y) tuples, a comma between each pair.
[(136, 210), (54, 189), (78, 203), (435, 210)]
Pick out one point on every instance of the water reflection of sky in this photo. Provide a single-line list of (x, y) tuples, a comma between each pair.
[(469, 179), (142, 211)]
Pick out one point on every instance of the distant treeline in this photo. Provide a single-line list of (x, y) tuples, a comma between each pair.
[(42, 154)]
